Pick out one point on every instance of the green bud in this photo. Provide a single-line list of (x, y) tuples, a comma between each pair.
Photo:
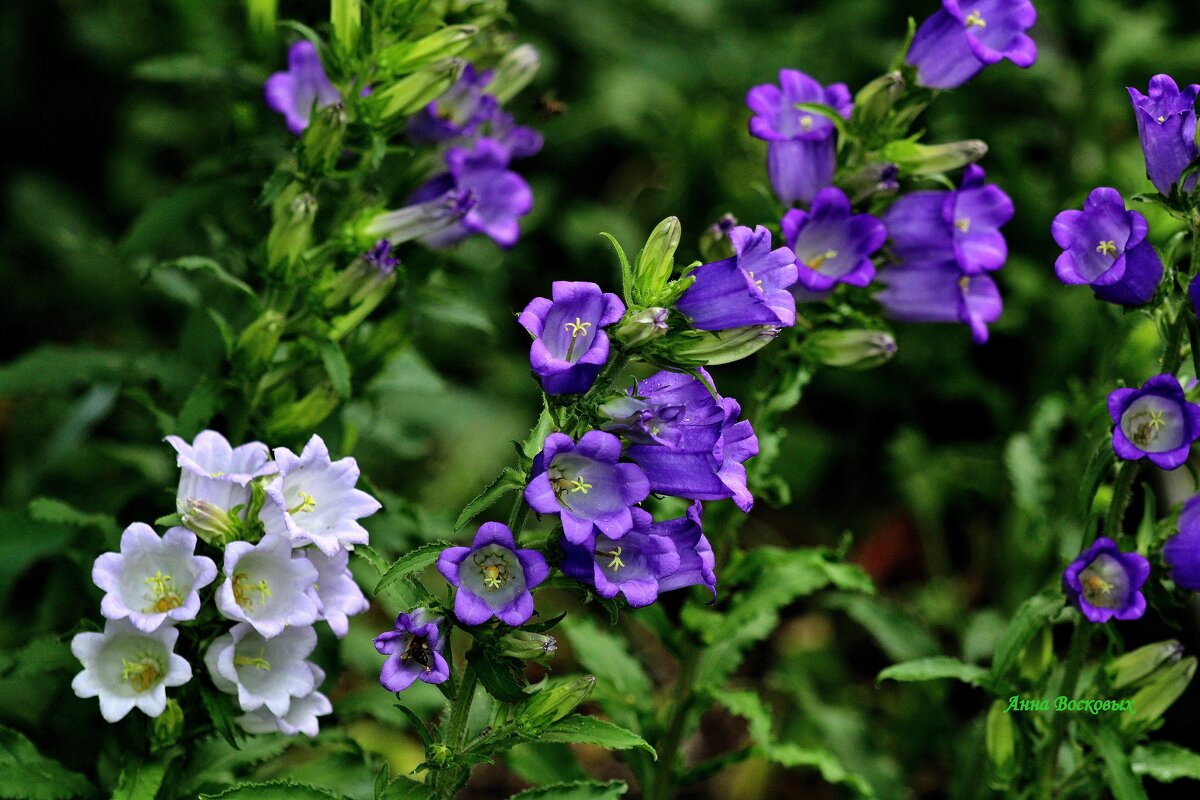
[(876, 99), (642, 325), (409, 95), (167, 726), (551, 704), (715, 244), (260, 18), (303, 415), (293, 212), (210, 522), (869, 180), (256, 345), (1134, 666), (438, 754), (528, 646), (927, 159), (514, 72), (346, 18), (1001, 741), (322, 142), (657, 259), (721, 347), (1152, 700), (1036, 655), (855, 349), (444, 43)]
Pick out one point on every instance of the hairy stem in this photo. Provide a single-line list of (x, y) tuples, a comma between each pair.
[(1122, 493), (1079, 639), (448, 780)]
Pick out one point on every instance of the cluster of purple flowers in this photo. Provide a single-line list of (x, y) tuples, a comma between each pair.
[(274, 590)]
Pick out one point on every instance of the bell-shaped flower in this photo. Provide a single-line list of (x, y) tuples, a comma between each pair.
[(127, 668), (213, 471), (414, 652), (457, 112), (940, 293), (668, 408), (832, 245), (301, 716), (801, 144), (696, 559), (569, 343), (585, 485), (263, 672), (1105, 583), (493, 577), (1166, 122), (1155, 422), (631, 565), (338, 595), (153, 580), (294, 93), (313, 500), (1105, 247), (1182, 551), (266, 587), (749, 288), (957, 42)]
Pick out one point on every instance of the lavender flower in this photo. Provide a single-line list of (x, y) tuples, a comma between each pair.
[(413, 650), (668, 408), (1166, 121), (832, 245), (293, 93), (1104, 582), (954, 44), (750, 288), (1182, 551), (458, 112), (128, 669), (1105, 247), (427, 216), (940, 293), (212, 471), (696, 559), (263, 672), (569, 343), (585, 486), (493, 577), (313, 500), (631, 565), (153, 580), (301, 716), (338, 596), (266, 587), (501, 196), (960, 227), (801, 147), (1155, 422)]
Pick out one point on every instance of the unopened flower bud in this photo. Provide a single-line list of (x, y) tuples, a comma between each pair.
[(1153, 699), (721, 347), (641, 326), (302, 416), (167, 726), (442, 44), (514, 72), (256, 344), (1001, 740), (715, 244), (657, 259), (875, 100), (412, 93), (551, 704), (528, 646), (855, 349), (346, 19), (322, 142), (877, 178), (210, 522), (927, 159), (1136, 665), (291, 232)]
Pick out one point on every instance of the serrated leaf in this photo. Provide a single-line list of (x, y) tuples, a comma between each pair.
[(273, 790), (139, 782), (621, 681), (1165, 762), (1028, 620), (403, 788), (507, 481), (626, 269), (580, 729), (368, 554), (937, 668), (214, 761), (575, 790), (48, 509), (897, 632), (336, 366), (412, 562), (25, 774), (497, 674)]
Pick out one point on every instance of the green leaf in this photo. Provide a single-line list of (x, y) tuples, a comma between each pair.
[(542, 762), (220, 711), (198, 409), (899, 634), (213, 761), (575, 790), (1165, 762), (206, 265), (48, 509), (25, 774), (626, 270), (336, 366), (24, 543), (1123, 784), (509, 480), (412, 562), (1027, 621), (403, 788), (55, 368), (621, 682), (580, 729), (937, 668), (498, 674), (273, 790), (139, 782)]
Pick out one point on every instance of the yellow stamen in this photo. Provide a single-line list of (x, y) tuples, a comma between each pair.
[(241, 592), (806, 123), (975, 19), (142, 674), (162, 598), (616, 562), (578, 485), (259, 662), (816, 261), (307, 503), (1108, 248), (757, 282), (963, 224), (576, 328)]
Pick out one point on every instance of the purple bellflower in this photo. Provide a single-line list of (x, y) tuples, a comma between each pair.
[(801, 146), (458, 112), (427, 216), (413, 650), (960, 227), (1105, 247), (1182, 551), (668, 408), (1166, 121), (586, 486), (696, 560), (293, 93), (267, 587), (940, 293), (832, 245), (127, 669), (493, 577), (749, 288), (1105, 583), (501, 197), (153, 580), (957, 42), (1155, 422), (569, 343)]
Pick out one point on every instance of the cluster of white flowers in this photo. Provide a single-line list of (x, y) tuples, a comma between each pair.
[(284, 570)]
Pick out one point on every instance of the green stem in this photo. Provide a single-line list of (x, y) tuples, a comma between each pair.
[(1122, 493), (1079, 637), (665, 779), (448, 780)]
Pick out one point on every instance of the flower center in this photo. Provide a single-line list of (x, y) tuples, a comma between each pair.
[(162, 596), (964, 283), (975, 20), (259, 662), (242, 592), (963, 224), (493, 568), (418, 650), (1096, 590), (814, 262), (757, 282), (615, 555), (1162, 119), (143, 674), (1108, 248), (307, 503), (576, 328), (1146, 425), (806, 123)]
